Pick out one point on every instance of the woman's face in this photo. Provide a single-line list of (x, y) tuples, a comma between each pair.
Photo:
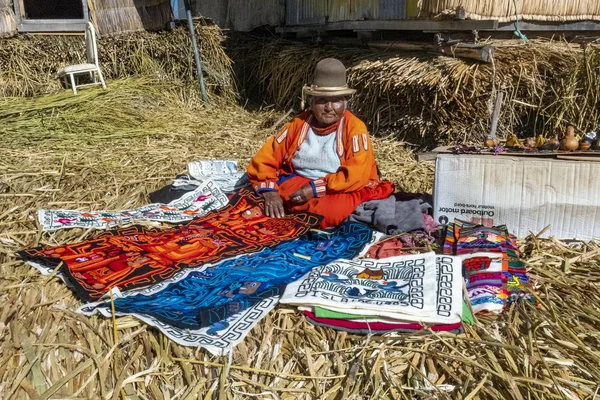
[(328, 110)]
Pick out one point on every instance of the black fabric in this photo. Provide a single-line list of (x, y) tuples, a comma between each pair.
[(169, 193)]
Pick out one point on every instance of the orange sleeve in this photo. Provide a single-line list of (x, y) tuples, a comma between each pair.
[(357, 162), (264, 166)]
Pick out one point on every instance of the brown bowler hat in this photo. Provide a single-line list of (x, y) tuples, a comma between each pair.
[(329, 80)]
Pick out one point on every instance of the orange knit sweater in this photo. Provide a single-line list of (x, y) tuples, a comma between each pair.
[(353, 146)]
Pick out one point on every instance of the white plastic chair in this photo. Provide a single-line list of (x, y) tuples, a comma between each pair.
[(91, 67)]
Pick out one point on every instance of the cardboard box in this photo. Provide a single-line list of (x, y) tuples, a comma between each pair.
[(525, 193)]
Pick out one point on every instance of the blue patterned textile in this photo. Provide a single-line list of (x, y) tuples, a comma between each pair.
[(206, 297)]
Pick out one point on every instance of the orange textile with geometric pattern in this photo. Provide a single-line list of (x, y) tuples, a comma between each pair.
[(137, 256)]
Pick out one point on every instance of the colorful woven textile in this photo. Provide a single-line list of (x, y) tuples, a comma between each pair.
[(207, 197), (485, 281), (494, 280), (206, 297), (223, 172), (203, 296), (466, 238), (135, 257), (418, 288), (376, 327), (218, 338)]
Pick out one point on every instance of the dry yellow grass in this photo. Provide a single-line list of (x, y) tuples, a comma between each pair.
[(140, 136)]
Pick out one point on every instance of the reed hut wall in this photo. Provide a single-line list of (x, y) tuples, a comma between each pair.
[(505, 11), (241, 15), (8, 23), (358, 10), (300, 12), (113, 17)]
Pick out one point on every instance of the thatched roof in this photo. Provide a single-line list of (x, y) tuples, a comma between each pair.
[(8, 24), (504, 10)]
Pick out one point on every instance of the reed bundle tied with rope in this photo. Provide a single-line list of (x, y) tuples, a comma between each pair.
[(428, 99)]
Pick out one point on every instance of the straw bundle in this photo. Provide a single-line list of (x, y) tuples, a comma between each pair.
[(112, 17), (8, 24), (166, 56), (430, 100), (107, 150), (505, 11)]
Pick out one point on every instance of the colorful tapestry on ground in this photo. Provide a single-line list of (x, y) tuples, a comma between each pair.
[(218, 338), (419, 288), (207, 197), (135, 257), (494, 281), (223, 172), (208, 297)]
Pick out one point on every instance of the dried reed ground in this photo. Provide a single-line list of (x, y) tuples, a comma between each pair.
[(108, 150)]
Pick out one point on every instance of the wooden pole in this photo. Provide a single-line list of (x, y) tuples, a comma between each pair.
[(477, 52), (188, 11), (496, 115), (483, 53)]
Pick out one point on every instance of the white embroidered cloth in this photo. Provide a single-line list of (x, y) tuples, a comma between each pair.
[(207, 197), (223, 172), (421, 288)]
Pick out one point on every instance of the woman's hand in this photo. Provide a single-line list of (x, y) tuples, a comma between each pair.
[(273, 205), (302, 195)]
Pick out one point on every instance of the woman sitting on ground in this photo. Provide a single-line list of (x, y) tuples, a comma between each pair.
[(321, 162)]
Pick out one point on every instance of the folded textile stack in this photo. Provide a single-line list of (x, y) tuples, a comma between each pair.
[(465, 238), (223, 172), (404, 293), (400, 245), (494, 274), (396, 214)]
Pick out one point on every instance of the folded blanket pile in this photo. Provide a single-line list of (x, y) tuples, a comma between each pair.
[(494, 274), (405, 293)]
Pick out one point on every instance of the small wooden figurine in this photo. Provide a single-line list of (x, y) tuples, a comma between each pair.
[(552, 144), (530, 143), (585, 144), (569, 142)]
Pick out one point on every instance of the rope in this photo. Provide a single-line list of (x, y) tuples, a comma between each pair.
[(518, 32)]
